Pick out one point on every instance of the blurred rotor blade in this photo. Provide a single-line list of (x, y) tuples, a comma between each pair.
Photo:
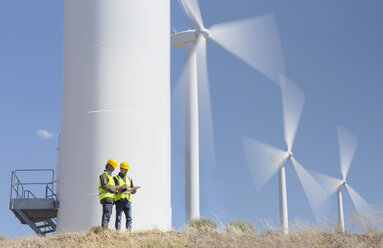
[(360, 204), (314, 192), (255, 41), (329, 184), (202, 77), (206, 131), (192, 10), (347, 147), (178, 114), (292, 102), (263, 160)]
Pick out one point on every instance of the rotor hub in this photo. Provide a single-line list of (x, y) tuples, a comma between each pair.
[(290, 154), (205, 32)]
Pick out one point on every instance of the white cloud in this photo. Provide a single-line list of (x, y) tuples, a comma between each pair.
[(45, 134)]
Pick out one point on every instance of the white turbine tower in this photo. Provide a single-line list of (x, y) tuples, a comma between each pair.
[(115, 104), (264, 160), (347, 147), (255, 41)]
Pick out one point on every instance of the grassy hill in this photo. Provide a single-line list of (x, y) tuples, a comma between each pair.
[(204, 233)]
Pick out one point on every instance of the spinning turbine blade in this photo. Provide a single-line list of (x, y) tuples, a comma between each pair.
[(314, 192), (329, 184), (197, 11), (360, 204), (178, 112), (255, 41), (202, 77), (192, 10), (206, 132), (263, 160), (292, 101), (347, 147)]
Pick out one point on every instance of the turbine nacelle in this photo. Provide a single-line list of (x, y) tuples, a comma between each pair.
[(180, 39)]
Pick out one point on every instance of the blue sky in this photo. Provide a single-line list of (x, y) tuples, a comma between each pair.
[(332, 51)]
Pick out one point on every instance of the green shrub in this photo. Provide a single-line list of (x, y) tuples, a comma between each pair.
[(240, 227), (2, 238), (96, 229), (201, 225)]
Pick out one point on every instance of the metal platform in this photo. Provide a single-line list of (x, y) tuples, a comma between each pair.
[(39, 213)]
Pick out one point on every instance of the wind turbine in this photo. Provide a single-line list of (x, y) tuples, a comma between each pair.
[(347, 147), (255, 41), (264, 160)]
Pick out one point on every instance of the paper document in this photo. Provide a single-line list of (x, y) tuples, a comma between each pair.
[(134, 188)]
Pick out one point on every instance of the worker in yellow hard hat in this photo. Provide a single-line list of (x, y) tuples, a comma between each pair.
[(106, 191), (122, 198)]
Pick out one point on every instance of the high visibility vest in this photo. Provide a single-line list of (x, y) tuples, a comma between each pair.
[(102, 193), (124, 194)]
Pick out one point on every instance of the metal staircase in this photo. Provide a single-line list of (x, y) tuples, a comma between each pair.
[(39, 212)]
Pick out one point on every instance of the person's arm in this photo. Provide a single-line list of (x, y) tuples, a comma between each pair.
[(104, 184), (132, 185), (124, 188), (116, 182)]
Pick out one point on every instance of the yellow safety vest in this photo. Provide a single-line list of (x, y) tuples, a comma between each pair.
[(124, 194), (102, 193)]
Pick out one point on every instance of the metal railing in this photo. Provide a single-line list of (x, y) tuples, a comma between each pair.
[(19, 190)]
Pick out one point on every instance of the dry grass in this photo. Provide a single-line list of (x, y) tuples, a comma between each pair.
[(201, 225), (240, 227), (155, 238), (205, 233)]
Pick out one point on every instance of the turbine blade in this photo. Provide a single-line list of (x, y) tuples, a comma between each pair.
[(329, 184), (206, 131), (255, 41), (314, 192), (202, 77), (192, 10), (347, 147), (263, 160), (360, 204), (292, 102), (178, 113)]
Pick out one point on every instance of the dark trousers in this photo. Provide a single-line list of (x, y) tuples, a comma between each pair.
[(126, 206), (107, 209)]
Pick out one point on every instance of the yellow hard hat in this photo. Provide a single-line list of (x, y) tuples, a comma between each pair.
[(112, 162), (124, 165)]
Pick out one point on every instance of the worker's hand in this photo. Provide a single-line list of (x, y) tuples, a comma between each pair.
[(118, 187), (134, 191)]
